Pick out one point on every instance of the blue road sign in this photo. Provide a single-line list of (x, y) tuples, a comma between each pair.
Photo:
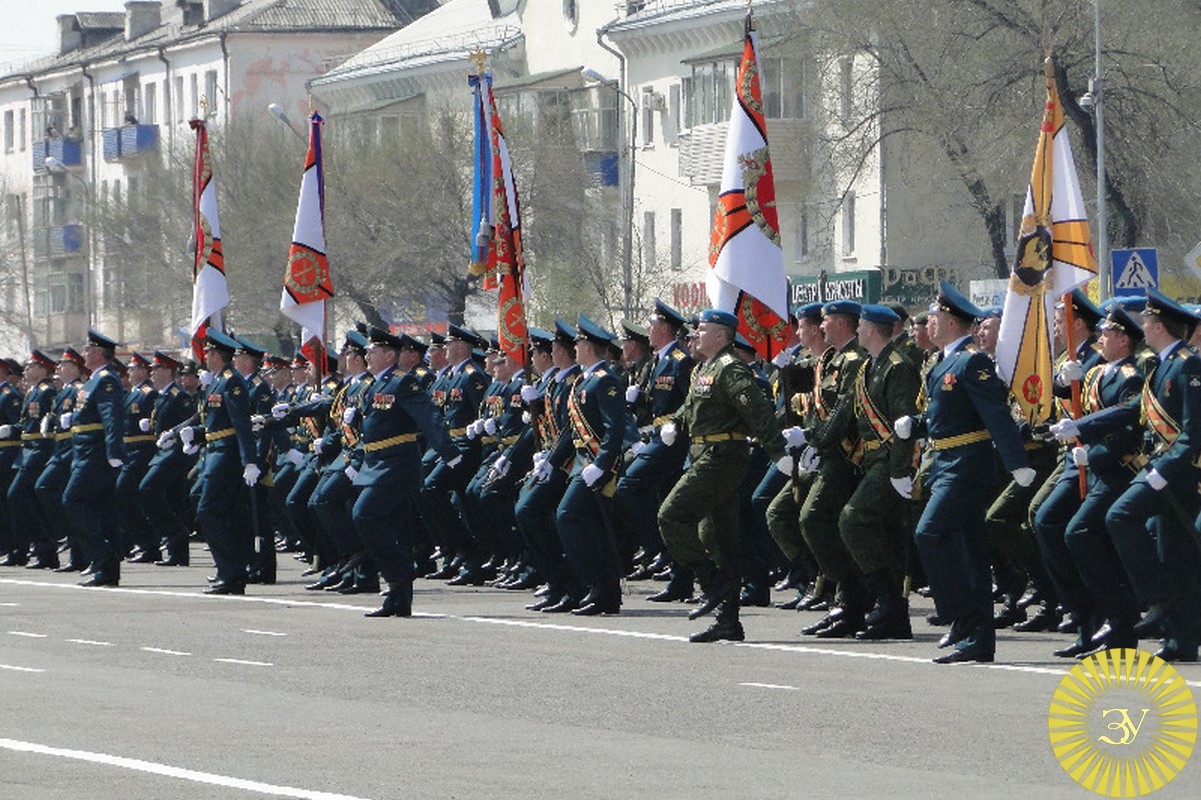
[(1134, 270)]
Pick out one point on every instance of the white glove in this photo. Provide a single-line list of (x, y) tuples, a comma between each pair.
[(6, 431), (903, 427), (903, 486), (251, 474), (1065, 430), (1080, 456), (785, 465), (499, 468), (591, 474), (637, 447), (44, 426), (1156, 481), (795, 436), (191, 449), (350, 472), (454, 462), (668, 433), (186, 435), (64, 421), (632, 393), (116, 463), (315, 398), (295, 456), (280, 410), (1071, 371), (529, 393), (540, 456), (472, 431), (782, 358), (1023, 476), (490, 426), (318, 446), (542, 471), (525, 418), (166, 441), (809, 460), (257, 422), (144, 425), (206, 378), (348, 415)]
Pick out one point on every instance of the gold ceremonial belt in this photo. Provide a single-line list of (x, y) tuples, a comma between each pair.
[(503, 441), (87, 428), (32, 437), (140, 438), (61, 435), (952, 442), (10, 443), (453, 432), (224, 433), (661, 420), (1034, 445), (392, 441), (718, 437)]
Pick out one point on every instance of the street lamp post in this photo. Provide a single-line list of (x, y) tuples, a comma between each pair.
[(1095, 98), (627, 243)]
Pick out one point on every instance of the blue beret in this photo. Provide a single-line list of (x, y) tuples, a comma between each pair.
[(665, 313), (810, 311), (882, 315), (991, 312), (593, 332), (952, 301), (719, 318), (848, 307)]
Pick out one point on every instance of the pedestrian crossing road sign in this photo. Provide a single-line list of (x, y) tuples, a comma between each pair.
[(1134, 270)]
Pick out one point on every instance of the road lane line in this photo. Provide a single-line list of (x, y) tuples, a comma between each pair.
[(9, 605), (787, 648), (12, 668), (771, 686), (27, 634), (173, 772), (263, 633), (246, 663), (164, 652), (91, 642)]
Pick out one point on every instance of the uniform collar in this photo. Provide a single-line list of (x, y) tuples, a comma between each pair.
[(955, 345)]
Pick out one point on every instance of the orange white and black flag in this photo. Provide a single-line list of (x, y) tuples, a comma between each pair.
[(746, 275), (1054, 256), (210, 292), (307, 281)]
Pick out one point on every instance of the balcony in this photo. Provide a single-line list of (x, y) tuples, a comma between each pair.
[(66, 152), (63, 241), (602, 168), (128, 141), (703, 150)]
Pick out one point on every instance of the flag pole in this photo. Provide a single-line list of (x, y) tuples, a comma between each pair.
[(1069, 317)]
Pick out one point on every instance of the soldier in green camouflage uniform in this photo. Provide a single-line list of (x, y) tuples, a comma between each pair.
[(699, 517)]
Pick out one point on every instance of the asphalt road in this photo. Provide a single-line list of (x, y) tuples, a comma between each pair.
[(156, 691)]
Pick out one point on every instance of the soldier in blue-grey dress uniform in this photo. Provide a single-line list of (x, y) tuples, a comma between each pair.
[(97, 455), (966, 417), (396, 410), (36, 448), (163, 490), (136, 532), (10, 449)]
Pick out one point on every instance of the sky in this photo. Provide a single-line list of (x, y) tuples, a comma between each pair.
[(28, 28)]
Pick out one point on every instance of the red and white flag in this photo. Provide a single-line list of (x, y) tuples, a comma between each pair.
[(307, 282), (210, 293), (747, 264)]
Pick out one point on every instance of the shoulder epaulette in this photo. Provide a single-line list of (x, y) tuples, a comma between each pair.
[(895, 358), (851, 355), (678, 355), (725, 359), (174, 390), (1128, 370)]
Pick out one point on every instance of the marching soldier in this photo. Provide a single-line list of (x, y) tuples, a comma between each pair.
[(163, 490), (699, 517), (248, 358), (36, 449), (50, 484), (10, 449), (139, 449)]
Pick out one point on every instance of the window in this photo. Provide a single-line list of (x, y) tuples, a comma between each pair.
[(648, 238), (710, 93), (594, 113), (179, 98), (671, 128), (210, 89), (677, 238), (648, 116), (846, 87), (150, 106), (195, 95), (848, 225), (802, 235), (783, 83), (75, 288), (571, 14), (21, 130), (9, 131), (687, 98)]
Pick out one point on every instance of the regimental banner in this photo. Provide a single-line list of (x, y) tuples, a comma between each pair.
[(307, 280), (210, 292), (1054, 256), (746, 263)]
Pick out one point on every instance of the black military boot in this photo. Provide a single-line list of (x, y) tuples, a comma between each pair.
[(717, 585), (398, 602), (726, 625), (890, 618)]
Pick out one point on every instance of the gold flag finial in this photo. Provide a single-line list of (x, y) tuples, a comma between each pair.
[(478, 58)]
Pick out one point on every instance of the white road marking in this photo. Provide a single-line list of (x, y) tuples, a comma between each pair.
[(20, 669), (173, 772), (805, 649), (771, 686), (9, 605), (89, 641), (27, 634), (247, 663), (164, 652), (263, 633)]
